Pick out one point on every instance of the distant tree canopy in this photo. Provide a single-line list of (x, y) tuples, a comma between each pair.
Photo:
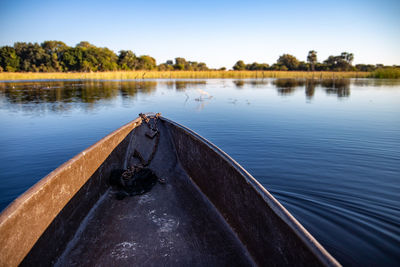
[(146, 63), (240, 65), (340, 63), (9, 61), (312, 59), (85, 57), (56, 56), (288, 62), (182, 64), (127, 60)]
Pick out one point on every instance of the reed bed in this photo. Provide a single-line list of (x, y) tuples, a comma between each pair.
[(386, 73), (127, 75)]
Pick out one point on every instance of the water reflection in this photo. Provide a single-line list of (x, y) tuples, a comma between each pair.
[(63, 95), (310, 88), (59, 96), (375, 82), (287, 86), (252, 83), (338, 87), (341, 87), (182, 85), (86, 92), (239, 83)]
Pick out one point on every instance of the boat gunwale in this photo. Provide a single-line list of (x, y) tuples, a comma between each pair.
[(317, 249), (15, 208), (31, 191)]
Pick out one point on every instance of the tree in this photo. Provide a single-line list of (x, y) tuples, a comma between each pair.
[(183, 64), (239, 65), (289, 61), (146, 63), (33, 56), (257, 66), (365, 67), (340, 63), (348, 57), (321, 67), (87, 57), (278, 66), (191, 65), (72, 59), (54, 51), (303, 66), (106, 59), (202, 66), (165, 67), (85, 44), (312, 59), (9, 61), (127, 60), (180, 63)]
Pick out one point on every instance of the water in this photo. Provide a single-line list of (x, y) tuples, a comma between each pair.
[(328, 151)]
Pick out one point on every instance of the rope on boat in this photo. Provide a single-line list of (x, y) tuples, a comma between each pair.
[(153, 132), (138, 179)]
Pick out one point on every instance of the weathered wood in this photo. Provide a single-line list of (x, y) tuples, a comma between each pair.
[(210, 211)]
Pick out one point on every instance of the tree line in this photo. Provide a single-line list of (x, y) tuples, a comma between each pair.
[(285, 62), (56, 56)]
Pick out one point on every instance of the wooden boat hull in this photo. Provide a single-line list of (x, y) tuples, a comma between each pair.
[(210, 211)]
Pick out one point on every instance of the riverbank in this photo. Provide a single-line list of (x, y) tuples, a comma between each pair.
[(127, 75)]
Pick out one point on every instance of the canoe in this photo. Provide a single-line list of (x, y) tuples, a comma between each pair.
[(153, 193)]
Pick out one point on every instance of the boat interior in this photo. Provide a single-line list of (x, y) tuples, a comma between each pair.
[(204, 209)]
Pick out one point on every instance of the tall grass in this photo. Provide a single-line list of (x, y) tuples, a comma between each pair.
[(124, 75), (386, 73)]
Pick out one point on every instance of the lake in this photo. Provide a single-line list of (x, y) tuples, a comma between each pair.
[(328, 150)]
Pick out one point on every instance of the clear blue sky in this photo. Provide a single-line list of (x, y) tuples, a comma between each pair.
[(216, 32)]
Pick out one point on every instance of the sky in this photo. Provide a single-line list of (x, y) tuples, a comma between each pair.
[(218, 33)]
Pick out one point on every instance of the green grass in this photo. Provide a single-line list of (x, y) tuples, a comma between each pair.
[(386, 73), (124, 75)]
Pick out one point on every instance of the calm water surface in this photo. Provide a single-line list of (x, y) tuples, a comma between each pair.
[(328, 151)]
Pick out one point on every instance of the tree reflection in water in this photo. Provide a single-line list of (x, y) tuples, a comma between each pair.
[(252, 83), (310, 88), (287, 86), (338, 87), (61, 96)]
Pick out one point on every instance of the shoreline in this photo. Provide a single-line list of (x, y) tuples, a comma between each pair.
[(138, 75)]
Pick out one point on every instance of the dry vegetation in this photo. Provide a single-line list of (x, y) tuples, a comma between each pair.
[(125, 75), (386, 73)]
